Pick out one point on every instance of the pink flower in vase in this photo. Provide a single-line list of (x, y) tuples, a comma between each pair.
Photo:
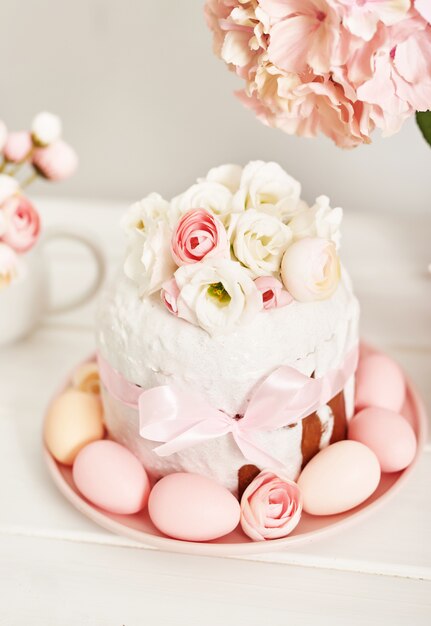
[(18, 146), (22, 223), (56, 161), (169, 295), (199, 234), (271, 507), (273, 293)]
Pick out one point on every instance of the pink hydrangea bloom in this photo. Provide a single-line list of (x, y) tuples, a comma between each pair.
[(338, 67)]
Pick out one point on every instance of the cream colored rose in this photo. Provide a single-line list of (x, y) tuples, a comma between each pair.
[(141, 216), (310, 269), (228, 175), (216, 295), (259, 241), (209, 195), (318, 221), (149, 261), (267, 187)]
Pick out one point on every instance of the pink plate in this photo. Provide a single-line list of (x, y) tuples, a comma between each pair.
[(139, 527)]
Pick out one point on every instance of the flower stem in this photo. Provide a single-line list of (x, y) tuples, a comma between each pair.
[(30, 179)]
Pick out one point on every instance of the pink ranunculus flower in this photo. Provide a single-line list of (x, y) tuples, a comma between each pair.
[(199, 234), (57, 161), (18, 146), (423, 7), (169, 295), (273, 293), (271, 507), (22, 223)]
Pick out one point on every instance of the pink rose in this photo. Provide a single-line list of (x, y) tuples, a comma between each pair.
[(169, 295), (18, 146), (273, 293), (271, 507), (198, 235), (57, 161), (22, 223)]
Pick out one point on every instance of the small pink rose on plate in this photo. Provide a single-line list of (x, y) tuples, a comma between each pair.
[(271, 507), (22, 223), (199, 234), (169, 295), (273, 293)]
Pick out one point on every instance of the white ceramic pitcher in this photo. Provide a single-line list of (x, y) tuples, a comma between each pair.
[(28, 299)]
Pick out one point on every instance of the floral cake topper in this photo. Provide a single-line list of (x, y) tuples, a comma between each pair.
[(339, 67), (238, 242)]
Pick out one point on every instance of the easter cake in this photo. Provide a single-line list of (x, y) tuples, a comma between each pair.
[(228, 341)]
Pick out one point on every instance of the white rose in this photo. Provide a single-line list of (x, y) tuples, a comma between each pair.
[(259, 241), (217, 295), (142, 215), (318, 221), (267, 187), (3, 135), (149, 262), (228, 175), (46, 128), (8, 187), (209, 195)]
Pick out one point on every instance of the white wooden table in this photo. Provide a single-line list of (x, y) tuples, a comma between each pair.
[(58, 568)]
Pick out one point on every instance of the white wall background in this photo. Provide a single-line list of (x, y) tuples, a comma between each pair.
[(148, 107)]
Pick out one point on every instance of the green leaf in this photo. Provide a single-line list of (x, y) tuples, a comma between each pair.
[(423, 118)]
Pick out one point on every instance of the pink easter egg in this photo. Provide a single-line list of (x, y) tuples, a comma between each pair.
[(111, 477), (380, 383), (338, 478), (387, 434), (192, 507)]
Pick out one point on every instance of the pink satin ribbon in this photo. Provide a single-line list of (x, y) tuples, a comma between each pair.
[(181, 419)]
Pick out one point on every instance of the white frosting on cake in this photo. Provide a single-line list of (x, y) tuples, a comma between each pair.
[(151, 347)]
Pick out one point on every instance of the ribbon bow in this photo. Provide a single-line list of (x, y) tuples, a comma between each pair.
[(180, 419)]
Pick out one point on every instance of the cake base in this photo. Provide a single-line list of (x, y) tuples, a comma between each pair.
[(139, 528)]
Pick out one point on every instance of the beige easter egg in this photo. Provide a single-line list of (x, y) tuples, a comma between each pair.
[(74, 419)]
